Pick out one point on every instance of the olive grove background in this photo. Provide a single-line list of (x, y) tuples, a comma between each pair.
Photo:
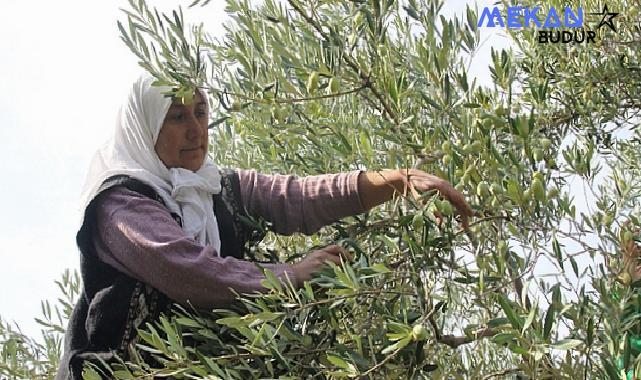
[(539, 288)]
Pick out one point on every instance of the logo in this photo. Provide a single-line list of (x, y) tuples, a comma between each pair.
[(567, 25), (606, 19)]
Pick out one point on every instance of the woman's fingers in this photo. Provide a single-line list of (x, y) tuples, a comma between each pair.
[(317, 259), (336, 252), (427, 182), (336, 259), (458, 201), (333, 249)]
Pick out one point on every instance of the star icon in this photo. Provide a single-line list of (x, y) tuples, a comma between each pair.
[(607, 18)]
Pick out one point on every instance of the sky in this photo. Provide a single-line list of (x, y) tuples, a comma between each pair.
[(64, 73)]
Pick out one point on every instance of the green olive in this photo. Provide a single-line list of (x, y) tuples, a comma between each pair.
[(446, 208), (496, 188), (476, 146), (419, 333), (545, 143), (537, 153), (482, 189), (538, 190)]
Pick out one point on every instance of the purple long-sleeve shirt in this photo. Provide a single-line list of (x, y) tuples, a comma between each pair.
[(137, 235)]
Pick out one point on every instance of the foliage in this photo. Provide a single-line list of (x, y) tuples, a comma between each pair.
[(542, 286), (319, 87), (24, 357)]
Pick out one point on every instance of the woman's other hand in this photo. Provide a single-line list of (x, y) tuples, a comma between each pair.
[(316, 260)]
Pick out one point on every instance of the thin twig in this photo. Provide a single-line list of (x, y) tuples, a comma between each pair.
[(290, 101), (458, 340), (501, 373), (350, 62)]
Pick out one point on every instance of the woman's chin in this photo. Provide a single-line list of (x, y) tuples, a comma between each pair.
[(193, 166), (192, 160)]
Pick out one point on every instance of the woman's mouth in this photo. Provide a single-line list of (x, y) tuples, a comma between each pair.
[(192, 149)]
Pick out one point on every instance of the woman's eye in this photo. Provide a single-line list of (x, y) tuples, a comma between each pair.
[(177, 116)]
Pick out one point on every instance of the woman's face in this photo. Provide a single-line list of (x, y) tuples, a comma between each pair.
[(183, 140)]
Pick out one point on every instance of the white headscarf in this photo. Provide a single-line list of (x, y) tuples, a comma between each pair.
[(131, 152)]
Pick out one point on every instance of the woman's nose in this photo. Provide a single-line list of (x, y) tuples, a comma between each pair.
[(194, 128)]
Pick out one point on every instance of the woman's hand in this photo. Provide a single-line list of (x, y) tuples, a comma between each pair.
[(417, 180), (378, 187), (316, 260)]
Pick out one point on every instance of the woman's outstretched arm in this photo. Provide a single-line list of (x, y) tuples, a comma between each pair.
[(300, 204), (305, 204)]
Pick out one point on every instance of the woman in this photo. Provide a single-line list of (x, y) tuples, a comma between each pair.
[(162, 224)]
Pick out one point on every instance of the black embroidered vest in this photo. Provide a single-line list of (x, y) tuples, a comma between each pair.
[(113, 305)]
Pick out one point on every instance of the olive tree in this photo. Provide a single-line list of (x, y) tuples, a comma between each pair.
[(310, 87)]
